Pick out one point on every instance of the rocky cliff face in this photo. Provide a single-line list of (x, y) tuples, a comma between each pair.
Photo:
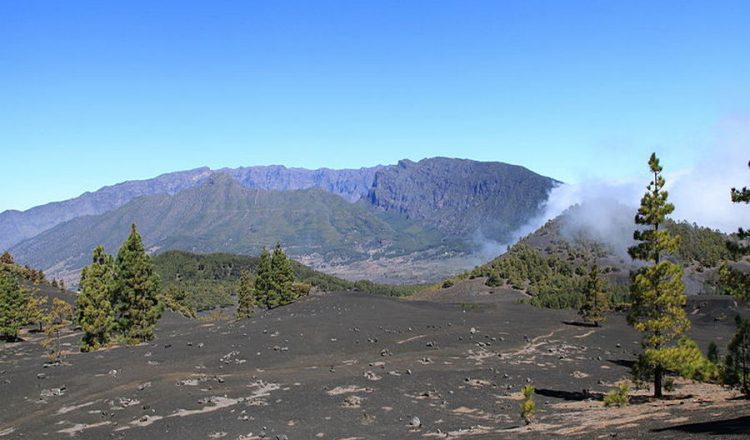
[(462, 196), (352, 185)]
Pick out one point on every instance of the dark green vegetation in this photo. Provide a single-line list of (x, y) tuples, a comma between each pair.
[(34, 276), (94, 308), (245, 295), (657, 292), (136, 286), (737, 282), (556, 276), (737, 361), (274, 284), (205, 281), (595, 300), (13, 305), (119, 297)]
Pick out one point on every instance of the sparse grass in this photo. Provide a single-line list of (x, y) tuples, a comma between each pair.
[(216, 315), (470, 306)]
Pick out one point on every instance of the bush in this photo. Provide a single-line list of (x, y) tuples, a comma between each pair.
[(618, 397), (528, 407)]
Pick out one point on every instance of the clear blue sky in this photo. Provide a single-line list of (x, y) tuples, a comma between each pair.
[(97, 92)]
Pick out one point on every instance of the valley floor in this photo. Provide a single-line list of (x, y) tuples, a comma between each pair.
[(354, 366)]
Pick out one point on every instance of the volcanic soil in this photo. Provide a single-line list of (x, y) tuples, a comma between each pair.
[(448, 364)]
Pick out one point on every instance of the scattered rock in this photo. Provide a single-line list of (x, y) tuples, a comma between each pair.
[(53, 392), (369, 375), (352, 402)]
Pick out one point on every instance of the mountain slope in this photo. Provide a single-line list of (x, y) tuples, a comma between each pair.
[(16, 226), (462, 196), (222, 215)]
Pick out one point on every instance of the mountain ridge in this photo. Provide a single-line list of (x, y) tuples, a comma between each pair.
[(416, 222), (351, 184), (17, 225), (222, 215)]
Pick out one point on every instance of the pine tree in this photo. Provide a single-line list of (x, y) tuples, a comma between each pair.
[(94, 310), (245, 296), (56, 319), (282, 276), (596, 302), (13, 305), (742, 196), (6, 258), (737, 360), (136, 291), (263, 281), (657, 291), (35, 310), (735, 282)]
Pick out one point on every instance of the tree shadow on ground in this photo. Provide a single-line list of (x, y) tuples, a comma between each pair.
[(12, 340), (578, 396), (623, 362), (739, 425), (570, 395), (581, 324)]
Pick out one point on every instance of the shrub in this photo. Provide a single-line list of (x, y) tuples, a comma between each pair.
[(528, 407), (618, 396)]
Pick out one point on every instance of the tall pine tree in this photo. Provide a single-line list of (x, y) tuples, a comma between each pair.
[(136, 291), (282, 276), (245, 296), (737, 361), (595, 300), (735, 281), (13, 305), (657, 291), (274, 280), (94, 310), (263, 281)]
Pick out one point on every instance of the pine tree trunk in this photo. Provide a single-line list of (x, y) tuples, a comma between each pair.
[(658, 373)]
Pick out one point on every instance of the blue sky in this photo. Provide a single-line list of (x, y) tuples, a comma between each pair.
[(93, 93)]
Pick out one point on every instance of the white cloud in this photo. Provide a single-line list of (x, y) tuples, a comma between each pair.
[(701, 194)]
